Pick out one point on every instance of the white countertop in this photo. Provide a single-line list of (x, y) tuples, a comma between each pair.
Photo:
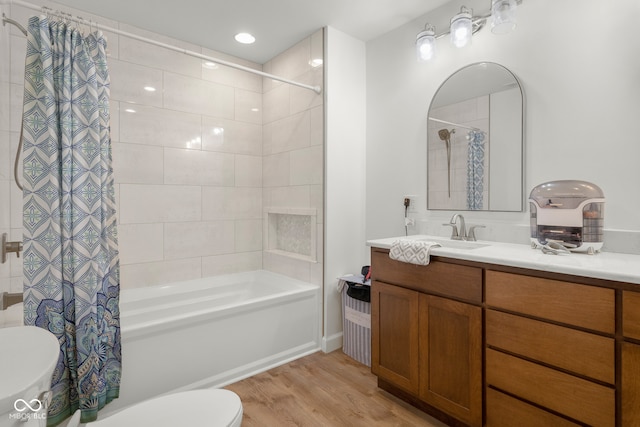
[(604, 265)]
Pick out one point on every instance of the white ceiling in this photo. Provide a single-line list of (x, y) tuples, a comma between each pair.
[(276, 24)]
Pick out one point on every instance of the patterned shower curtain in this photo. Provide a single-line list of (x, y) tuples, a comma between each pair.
[(475, 170), (71, 266)]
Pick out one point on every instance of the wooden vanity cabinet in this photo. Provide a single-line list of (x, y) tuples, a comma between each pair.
[(630, 381), (427, 334), (550, 347)]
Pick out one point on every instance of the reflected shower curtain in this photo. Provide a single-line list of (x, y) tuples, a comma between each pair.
[(71, 267), (475, 170)]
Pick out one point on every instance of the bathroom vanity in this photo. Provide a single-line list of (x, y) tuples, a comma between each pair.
[(502, 335)]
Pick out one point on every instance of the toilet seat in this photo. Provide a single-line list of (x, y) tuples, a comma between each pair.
[(209, 407)]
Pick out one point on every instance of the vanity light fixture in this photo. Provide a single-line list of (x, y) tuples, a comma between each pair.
[(464, 24)]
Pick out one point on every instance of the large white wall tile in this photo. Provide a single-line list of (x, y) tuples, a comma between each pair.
[(306, 166), (140, 243), (16, 206), (287, 134), (317, 126), (193, 95), (230, 76), (294, 61), (159, 203), (6, 156), (248, 106), (231, 263), (195, 167), (128, 81), (275, 104), (248, 171), (5, 105), (16, 101), (5, 64), (114, 120), (248, 235), (191, 239), (161, 127), (275, 170), (158, 57), (157, 273), (304, 99), (5, 208), (287, 197), (229, 136), (138, 164), (231, 203), (18, 55)]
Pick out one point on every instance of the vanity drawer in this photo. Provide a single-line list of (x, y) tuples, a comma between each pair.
[(574, 397), (576, 351), (439, 278), (631, 314), (584, 306), (506, 411)]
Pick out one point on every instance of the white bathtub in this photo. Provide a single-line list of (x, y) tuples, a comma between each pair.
[(213, 331)]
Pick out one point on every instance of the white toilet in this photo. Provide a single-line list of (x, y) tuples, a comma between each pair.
[(206, 407), (27, 360)]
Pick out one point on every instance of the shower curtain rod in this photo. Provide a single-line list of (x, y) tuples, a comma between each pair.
[(316, 89), (455, 124)]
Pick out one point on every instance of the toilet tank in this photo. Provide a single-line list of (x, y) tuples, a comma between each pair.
[(569, 212)]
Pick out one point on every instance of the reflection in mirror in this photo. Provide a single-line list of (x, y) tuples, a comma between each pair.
[(475, 141)]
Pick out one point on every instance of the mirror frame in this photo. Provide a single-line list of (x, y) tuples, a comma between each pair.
[(522, 140)]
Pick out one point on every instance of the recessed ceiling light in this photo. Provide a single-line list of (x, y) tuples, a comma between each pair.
[(150, 88), (316, 62), (209, 64), (245, 38), (130, 110)]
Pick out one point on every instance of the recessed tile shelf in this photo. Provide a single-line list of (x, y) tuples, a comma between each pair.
[(291, 232)]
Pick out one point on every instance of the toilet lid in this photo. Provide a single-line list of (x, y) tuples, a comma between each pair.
[(209, 407)]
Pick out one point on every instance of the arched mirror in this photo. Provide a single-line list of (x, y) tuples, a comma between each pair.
[(475, 141)]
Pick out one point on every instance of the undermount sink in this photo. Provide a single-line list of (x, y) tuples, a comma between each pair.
[(456, 244)]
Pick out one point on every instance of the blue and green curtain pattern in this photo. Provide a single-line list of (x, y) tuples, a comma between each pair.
[(475, 170), (71, 265)]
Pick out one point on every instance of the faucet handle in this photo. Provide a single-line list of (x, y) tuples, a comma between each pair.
[(471, 235), (454, 230)]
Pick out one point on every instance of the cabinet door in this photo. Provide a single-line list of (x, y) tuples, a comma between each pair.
[(630, 380), (394, 335), (451, 357)]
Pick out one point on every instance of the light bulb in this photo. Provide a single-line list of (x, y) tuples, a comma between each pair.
[(461, 27), (426, 44), (503, 13)]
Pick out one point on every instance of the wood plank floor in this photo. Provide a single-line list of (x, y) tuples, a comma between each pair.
[(323, 390)]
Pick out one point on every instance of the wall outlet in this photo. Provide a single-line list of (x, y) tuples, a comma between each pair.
[(413, 203)]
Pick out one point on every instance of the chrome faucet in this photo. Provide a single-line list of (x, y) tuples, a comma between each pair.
[(457, 233), (461, 231)]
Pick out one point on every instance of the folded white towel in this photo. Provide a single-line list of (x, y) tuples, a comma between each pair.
[(411, 251)]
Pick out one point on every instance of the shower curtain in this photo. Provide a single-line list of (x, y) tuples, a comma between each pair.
[(71, 266), (475, 170)]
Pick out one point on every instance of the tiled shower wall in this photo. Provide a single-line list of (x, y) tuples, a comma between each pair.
[(293, 148), (188, 156)]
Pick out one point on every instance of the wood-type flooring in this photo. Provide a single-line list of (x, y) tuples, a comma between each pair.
[(323, 390)]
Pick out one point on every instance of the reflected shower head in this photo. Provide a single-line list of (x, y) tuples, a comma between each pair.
[(445, 134)]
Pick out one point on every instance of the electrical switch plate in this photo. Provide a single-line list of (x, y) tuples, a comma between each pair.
[(413, 203)]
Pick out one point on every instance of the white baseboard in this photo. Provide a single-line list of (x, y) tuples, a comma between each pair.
[(332, 343)]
